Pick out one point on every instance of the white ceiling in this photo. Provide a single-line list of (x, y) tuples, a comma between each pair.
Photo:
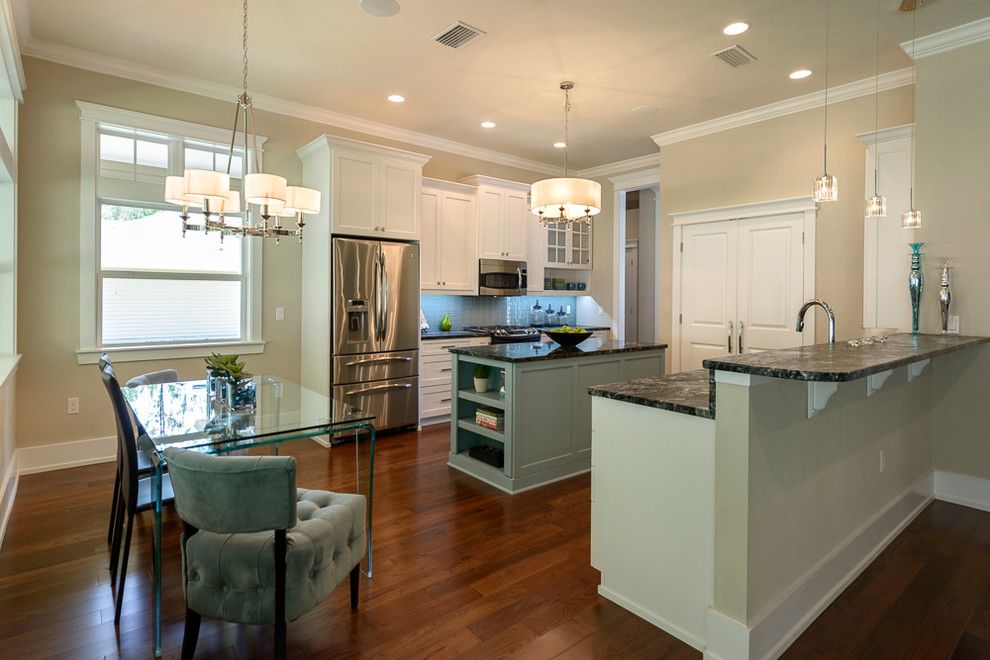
[(621, 54)]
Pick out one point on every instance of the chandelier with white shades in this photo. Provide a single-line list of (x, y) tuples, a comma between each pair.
[(210, 191), (566, 199)]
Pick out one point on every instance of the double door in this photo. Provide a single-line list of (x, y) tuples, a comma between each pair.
[(502, 217), (375, 196), (569, 245), (741, 286)]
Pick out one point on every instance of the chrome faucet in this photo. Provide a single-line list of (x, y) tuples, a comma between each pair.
[(828, 311)]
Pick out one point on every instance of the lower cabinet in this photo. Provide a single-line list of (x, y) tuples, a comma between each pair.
[(434, 376)]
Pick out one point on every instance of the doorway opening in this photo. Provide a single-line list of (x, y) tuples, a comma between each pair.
[(638, 264)]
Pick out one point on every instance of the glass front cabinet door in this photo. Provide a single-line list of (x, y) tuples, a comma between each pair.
[(569, 246)]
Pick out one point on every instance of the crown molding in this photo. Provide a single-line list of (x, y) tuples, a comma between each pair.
[(886, 135), (741, 211), (90, 61), (327, 142), (10, 49), (837, 94), (620, 166), (951, 39)]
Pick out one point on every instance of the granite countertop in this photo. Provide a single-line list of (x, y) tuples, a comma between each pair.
[(840, 362), (688, 392), (449, 334), (531, 351)]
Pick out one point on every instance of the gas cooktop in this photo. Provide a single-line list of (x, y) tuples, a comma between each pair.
[(506, 333)]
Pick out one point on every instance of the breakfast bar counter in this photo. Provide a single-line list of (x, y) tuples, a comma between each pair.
[(527, 420)]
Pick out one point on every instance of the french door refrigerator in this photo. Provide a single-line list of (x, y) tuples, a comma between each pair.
[(375, 327)]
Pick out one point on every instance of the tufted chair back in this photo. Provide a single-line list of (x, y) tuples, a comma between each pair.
[(233, 494)]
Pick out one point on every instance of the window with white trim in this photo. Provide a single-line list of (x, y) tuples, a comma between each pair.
[(154, 288)]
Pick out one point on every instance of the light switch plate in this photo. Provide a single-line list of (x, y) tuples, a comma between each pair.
[(280, 313), (72, 405)]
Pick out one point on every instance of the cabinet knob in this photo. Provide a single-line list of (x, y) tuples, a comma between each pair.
[(445, 284)]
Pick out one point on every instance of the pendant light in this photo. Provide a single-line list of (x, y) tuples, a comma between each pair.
[(826, 187), (876, 206), (210, 191), (566, 199), (911, 219)]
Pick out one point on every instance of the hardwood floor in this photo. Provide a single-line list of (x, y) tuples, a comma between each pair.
[(461, 570)]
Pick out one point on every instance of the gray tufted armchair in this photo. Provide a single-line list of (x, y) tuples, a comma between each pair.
[(236, 512)]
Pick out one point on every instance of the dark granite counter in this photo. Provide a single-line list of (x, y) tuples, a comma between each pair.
[(530, 351), (688, 392), (840, 362), (450, 334)]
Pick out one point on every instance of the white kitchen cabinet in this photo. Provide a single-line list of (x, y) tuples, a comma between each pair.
[(447, 255), (368, 190), (739, 282), (568, 246), (434, 376), (502, 217)]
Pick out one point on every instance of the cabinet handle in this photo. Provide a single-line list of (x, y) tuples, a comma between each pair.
[(740, 337), (447, 369), (447, 400), (730, 336), (445, 284), (450, 346)]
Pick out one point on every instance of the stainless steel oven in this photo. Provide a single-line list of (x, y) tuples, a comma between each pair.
[(498, 277)]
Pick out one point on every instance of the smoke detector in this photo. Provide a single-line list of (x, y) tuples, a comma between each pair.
[(380, 8)]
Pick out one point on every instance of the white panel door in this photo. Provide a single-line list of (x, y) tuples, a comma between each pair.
[(401, 187), (429, 244), (354, 204), (770, 282), (708, 291), (457, 261), (490, 204), (516, 216)]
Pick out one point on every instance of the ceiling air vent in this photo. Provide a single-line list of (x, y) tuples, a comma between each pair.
[(457, 35), (735, 55)]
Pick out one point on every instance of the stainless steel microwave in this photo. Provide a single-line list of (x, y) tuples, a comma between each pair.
[(498, 277)]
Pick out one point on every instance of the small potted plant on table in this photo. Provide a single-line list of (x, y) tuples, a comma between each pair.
[(482, 373)]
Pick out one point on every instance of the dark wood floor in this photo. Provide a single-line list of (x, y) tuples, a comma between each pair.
[(461, 570)]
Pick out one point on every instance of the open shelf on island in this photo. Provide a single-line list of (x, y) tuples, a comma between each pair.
[(469, 425), (493, 398)]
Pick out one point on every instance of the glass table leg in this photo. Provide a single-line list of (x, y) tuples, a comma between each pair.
[(365, 484), (156, 543)]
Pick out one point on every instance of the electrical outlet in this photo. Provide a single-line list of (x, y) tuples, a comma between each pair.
[(72, 405), (883, 460), (953, 325), (280, 313)]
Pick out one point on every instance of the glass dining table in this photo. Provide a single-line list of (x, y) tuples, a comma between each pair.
[(192, 415)]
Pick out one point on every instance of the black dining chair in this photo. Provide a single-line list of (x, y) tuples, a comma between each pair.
[(136, 492)]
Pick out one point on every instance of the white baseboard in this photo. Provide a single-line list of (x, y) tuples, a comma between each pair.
[(61, 455), (963, 489), (652, 617), (8, 490), (770, 636)]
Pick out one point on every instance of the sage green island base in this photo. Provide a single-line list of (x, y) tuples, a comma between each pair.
[(544, 415)]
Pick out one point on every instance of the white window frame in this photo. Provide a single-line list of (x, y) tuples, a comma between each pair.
[(91, 117)]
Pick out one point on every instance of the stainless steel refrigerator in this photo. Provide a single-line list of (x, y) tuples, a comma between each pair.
[(375, 321)]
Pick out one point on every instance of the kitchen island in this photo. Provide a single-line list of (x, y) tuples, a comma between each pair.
[(535, 422), (732, 504)]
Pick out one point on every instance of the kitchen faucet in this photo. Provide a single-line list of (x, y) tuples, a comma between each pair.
[(828, 311)]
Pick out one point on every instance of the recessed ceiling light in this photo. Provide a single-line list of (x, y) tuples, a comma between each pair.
[(799, 74), (380, 8), (559, 145), (396, 98), (732, 29), (488, 124)]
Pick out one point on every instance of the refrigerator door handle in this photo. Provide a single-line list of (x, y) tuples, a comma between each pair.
[(378, 296), (380, 388), (384, 288)]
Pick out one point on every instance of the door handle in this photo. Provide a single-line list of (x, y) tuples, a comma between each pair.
[(378, 297), (730, 337), (380, 388), (447, 369), (519, 278), (740, 337), (358, 363), (384, 285)]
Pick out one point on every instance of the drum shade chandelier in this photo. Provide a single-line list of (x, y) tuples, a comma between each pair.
[(565, 199), (211, 192)]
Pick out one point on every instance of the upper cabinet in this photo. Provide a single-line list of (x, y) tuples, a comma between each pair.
[(369, 190), (568, 246), (502, 217), (448, 260)]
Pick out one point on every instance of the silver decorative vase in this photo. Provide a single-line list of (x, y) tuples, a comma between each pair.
[(916, 284), (944, 297)]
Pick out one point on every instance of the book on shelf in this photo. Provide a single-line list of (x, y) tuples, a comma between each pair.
[(489, 418)]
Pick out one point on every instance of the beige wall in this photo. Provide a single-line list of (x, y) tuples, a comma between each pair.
[(953, 159), (776, 159), (48, 251)]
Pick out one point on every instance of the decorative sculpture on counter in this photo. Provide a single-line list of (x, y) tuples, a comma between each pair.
[(945, 297), (916, 284)]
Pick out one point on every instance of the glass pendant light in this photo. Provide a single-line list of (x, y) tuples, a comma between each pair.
[(826, 188), (911, 219), (876, 206)]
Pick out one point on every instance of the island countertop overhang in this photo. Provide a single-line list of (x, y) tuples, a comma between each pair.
[(841, 362), (531, 351)]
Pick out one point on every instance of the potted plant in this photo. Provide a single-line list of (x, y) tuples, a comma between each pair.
[(228, 382), (481, 374)]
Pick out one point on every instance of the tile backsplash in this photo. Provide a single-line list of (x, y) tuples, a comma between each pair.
[(489, 310)]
